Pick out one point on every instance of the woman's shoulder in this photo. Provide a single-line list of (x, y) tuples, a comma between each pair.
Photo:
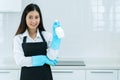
[(18, 37)]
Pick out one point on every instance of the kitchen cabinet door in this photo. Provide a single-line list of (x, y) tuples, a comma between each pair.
[(101, 75), (9, 75), (68, 74), (118, 74)]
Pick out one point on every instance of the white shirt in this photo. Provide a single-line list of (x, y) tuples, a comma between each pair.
[(20, 59)]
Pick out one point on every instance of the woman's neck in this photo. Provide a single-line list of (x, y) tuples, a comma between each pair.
[(32, 33)]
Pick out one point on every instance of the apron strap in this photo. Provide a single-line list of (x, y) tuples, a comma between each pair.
[(42, 36), (24, 39)]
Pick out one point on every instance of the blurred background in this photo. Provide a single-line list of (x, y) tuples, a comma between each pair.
[(92, 27)]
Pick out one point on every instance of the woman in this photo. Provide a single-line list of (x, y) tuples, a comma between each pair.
[(34, 48)]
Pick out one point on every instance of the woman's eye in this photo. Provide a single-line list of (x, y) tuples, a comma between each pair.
[(36, 17), (30, 17)]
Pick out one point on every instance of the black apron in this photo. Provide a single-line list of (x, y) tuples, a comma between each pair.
[(36, 72)]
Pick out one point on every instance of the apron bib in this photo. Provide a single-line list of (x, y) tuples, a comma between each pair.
[(37, 72)]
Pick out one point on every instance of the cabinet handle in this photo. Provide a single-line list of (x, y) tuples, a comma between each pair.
[(5, 72), (101, 72), (62, 71)]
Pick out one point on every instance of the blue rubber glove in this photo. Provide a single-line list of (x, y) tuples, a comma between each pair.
[(51, 62), (38, 60), (41, 60), (55, 44)]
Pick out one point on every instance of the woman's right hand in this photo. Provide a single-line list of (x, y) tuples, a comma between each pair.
[(40, 60)]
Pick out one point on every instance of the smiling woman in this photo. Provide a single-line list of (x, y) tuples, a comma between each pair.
[(32, 44)]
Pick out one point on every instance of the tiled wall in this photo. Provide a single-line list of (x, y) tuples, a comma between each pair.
[(8, 24), (76, 17), (1, 28)]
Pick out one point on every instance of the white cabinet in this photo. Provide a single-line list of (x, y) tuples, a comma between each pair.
[(118, 74), (10, 5), (101, 75), (9, 75), (68, 74)]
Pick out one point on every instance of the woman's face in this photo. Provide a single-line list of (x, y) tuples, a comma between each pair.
[(32, 20)]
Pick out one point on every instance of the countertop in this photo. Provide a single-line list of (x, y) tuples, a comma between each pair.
[(7, 63)]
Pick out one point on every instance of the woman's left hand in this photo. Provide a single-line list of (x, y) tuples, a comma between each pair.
[(59, 32)]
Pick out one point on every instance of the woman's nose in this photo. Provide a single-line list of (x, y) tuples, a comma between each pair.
[(33, 21)]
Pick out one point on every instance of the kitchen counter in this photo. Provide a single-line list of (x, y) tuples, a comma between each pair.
[(9, 63)]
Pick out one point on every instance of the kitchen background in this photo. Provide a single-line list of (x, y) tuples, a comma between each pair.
[(92, 37), (92, 27)]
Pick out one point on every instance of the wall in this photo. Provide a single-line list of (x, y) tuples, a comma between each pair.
[(84, 37)]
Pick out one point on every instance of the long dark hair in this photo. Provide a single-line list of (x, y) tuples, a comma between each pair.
[(23, 25)]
